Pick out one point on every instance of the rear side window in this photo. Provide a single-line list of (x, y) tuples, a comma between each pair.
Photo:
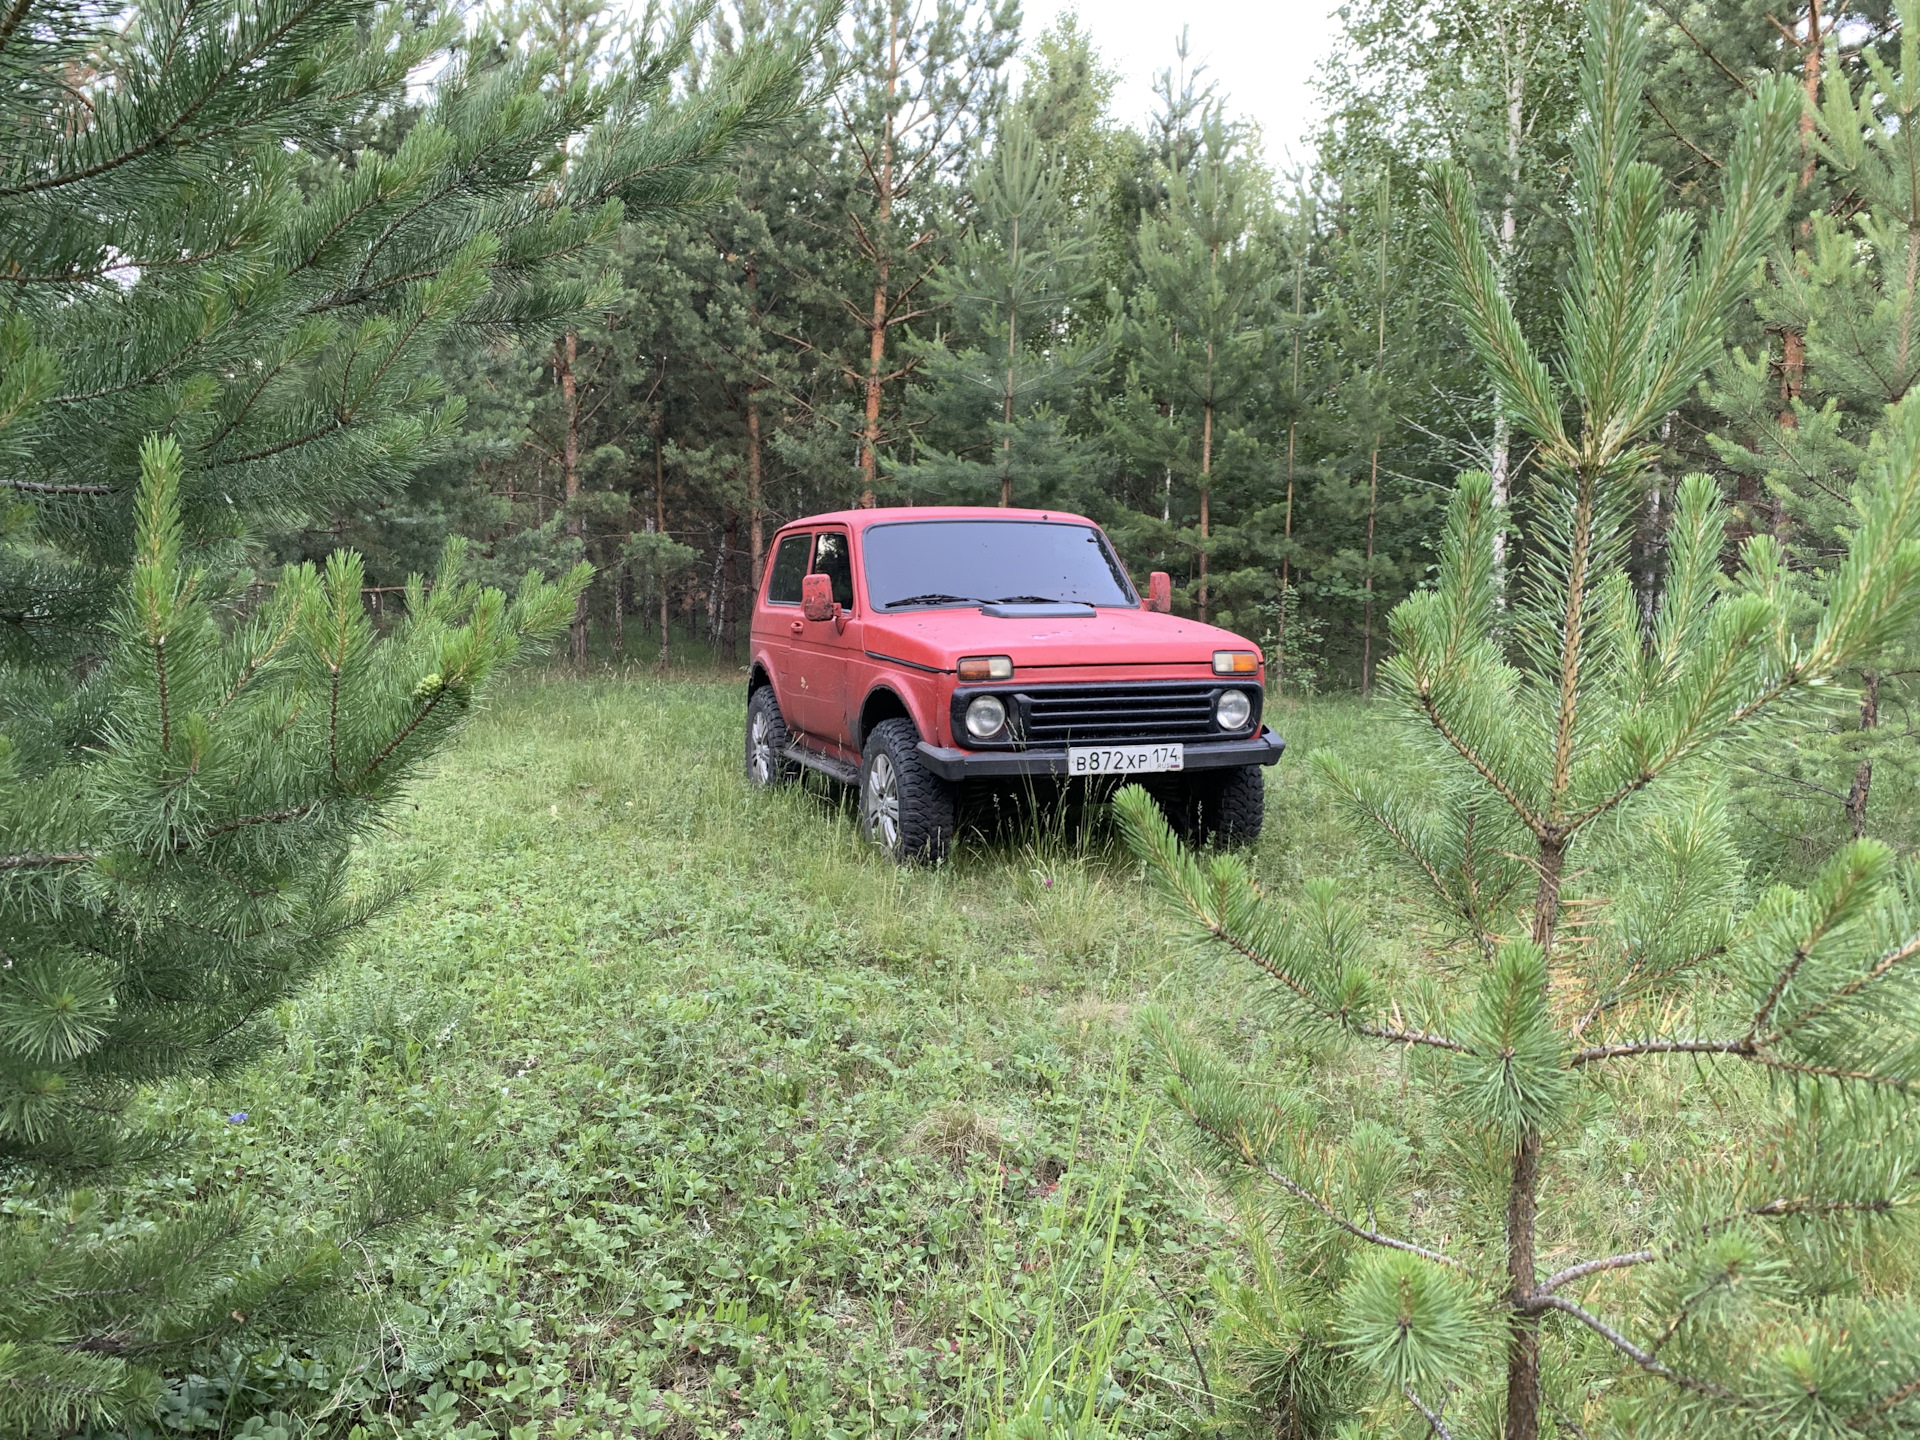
[(789, 569), (830, 558)]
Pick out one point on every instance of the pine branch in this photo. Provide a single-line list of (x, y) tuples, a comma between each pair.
[(1467, 753), (272, 817), (42, 487), (1595, 1053), (257, 661), (1240, 1145), (1853, 987), (163, 135), (39, 862), (1831, 913), (1645, 1359), (1891, 1400), (405, 730), (1434, 1423), (1595, 1267), (1343, 1018), (1746, 1048), (10, 21)]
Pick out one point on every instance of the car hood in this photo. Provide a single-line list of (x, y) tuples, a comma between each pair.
[(938, 638)]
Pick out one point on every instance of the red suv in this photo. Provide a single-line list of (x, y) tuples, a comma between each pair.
[(919, 652)]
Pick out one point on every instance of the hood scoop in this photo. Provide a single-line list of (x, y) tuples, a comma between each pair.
[(1050, 610)]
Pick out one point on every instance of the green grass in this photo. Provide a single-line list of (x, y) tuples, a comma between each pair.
[(777, 1139), (784, 1141)]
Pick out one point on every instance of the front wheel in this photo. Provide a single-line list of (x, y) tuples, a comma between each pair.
[(1218, 807), (905, 808)]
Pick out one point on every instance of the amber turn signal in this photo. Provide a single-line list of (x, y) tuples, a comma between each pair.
[(1232, 662), (986, 667)]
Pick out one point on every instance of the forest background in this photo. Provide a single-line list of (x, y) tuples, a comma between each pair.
[(957, 277)]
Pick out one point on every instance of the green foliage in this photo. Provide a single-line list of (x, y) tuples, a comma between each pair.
[(1009, 361), (1565, 736), (1198, 327), (226, 309)]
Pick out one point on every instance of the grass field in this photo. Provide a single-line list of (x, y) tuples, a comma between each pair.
[(785, 1141), (776, 1139)]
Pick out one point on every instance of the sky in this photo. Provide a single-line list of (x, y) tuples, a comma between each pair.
[(1263, 53)]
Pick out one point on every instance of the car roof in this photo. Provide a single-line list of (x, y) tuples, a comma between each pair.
[(894, 514)]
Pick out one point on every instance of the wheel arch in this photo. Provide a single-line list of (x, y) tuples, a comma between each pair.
[(758, 678), (883, 702)]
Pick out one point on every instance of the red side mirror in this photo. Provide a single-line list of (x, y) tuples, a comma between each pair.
[(816, 597), (1159, 593)]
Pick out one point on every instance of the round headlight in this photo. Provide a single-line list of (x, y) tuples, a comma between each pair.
[(1231, 711), (985, 716)]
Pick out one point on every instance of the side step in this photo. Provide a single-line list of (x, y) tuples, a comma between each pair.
[(843, 771)]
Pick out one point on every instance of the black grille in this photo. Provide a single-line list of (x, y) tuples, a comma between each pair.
[(1095, 714)]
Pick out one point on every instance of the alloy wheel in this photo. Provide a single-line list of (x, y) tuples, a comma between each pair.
[(883, 803), (763, 759)]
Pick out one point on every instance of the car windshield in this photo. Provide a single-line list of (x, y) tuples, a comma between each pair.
[(916, 564)]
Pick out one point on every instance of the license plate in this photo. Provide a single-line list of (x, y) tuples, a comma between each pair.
[(1124, 759)]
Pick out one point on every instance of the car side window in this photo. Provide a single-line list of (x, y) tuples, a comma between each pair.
[(832, 559), (789, 569)]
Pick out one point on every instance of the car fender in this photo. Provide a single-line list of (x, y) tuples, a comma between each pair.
[(890, 692)]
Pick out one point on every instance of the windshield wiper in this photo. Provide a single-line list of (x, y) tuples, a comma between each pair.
[(935, 599), (1032, 600)]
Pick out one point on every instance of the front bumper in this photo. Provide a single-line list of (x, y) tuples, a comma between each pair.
[(951, 764)]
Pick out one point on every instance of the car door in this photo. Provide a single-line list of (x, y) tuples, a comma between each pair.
[(777, 622), (823, 650)]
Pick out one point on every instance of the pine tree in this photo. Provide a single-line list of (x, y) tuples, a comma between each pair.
[(1574, 846), (927, 82), (223, 309), (577, 39), (1798, 427), (1198, 329), (1008, 361)]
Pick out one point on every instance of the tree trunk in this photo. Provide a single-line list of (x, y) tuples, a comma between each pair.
[(620, 614), (1286, 560), (1366, 643), (717, 589), (756, 520), (1373, 464), (1863, 777), (1649, 557), (569, 354), (1523, 1335), (1523, 1314), (1006, 402), (660, 525), (1206, 499), (730, 586), (1501, 467), (1793, 345), (1810, 76), (1293, 425), (879, 323), (1523, 1203), (876, 357)]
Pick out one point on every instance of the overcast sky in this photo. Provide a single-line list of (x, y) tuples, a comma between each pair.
[(1263, 53)]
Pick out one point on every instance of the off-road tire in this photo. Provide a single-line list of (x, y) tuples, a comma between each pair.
[(1223, 808), (905, 808), (767, 741)]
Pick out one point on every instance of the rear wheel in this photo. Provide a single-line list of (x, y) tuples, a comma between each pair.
[(905, 808), (1218, 807), (767, 742)]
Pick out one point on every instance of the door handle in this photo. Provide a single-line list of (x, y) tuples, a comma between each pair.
[(798, 627)]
